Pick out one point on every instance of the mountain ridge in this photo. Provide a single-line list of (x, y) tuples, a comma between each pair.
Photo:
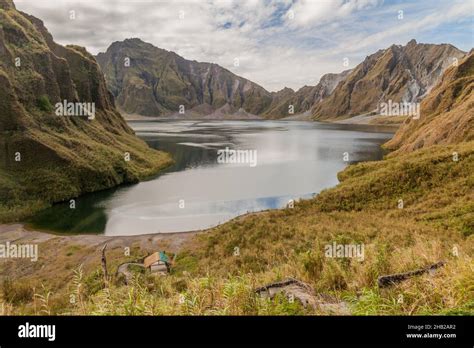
[(161, 82), (398, 73), (155, 99), (158, 82), (303, 99), (447, 112)]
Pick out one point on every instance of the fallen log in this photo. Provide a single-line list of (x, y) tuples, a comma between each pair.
[(387, 280)]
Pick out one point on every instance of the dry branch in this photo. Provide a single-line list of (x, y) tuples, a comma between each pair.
[(104, 265)]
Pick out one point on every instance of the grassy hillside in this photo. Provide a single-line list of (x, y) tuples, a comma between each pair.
[(410, 210), (46, 158), (437, 218)]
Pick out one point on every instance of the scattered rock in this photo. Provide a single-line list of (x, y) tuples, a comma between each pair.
[(304, 293)]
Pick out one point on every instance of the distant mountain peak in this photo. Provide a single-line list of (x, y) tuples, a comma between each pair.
[(160, 82), (398, 73), (134, 40), (7, 5), (157, 82), (447, 115)]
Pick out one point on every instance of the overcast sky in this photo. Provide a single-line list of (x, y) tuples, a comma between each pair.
[(277, 43)]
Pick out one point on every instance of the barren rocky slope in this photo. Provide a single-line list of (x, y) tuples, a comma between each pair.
[(150, 81), (398, 73), (447, 113), (305, 98)]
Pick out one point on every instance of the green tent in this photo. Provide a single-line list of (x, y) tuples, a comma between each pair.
[(163, 257)]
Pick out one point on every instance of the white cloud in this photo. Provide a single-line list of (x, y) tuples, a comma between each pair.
[(408, 26), (273, 50), (313, 12)]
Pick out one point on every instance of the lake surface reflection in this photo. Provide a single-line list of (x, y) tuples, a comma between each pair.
[(294, 160)]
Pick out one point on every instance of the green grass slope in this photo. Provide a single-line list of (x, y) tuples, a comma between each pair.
[(436, 223), (45, 158), (410, 210)]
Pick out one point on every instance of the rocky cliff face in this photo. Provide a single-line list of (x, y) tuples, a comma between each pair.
[(150, 81), (447, 112), (303, 99), (47, 156), (398, 73)]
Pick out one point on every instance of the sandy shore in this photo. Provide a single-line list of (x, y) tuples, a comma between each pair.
[(374, 120), (364, 119), (60, 255), (18, 233), (194, 116)]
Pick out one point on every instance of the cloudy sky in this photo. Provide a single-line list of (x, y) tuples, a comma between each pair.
[(275, 43)]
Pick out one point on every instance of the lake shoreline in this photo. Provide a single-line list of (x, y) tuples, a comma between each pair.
[(138, 211), (368, 119), (85, 249), (19, 233)]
